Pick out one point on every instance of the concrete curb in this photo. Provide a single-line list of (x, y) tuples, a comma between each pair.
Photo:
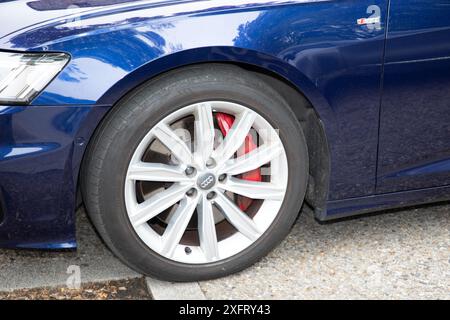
[(161, 290)]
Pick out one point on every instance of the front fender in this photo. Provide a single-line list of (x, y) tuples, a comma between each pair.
[(223, 54)]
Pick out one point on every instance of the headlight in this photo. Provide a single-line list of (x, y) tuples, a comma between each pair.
[(24, 75)]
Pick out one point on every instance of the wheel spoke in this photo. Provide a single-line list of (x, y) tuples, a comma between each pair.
[(207, 230), (158, 203), (177, 225), (253, 159), (144, 171), (237, 217), (254, 189), (177, 147), (236, 137), (204, 131)]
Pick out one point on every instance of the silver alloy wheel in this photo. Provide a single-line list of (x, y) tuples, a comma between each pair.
[(202, 178)]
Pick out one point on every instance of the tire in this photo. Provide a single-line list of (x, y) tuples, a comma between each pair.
[(107, 176)]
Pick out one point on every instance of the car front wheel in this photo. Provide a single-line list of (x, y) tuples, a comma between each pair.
[(196, 174)]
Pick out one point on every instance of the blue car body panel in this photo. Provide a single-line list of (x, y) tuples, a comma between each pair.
[(415, 114), (40, 153), (317, 46)]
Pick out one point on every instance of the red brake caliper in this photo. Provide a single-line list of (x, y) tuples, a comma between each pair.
[(225, 123)]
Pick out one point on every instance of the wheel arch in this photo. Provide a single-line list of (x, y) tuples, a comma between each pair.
[(318, 148), (307, 103)]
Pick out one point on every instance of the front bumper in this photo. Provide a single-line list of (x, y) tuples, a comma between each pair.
[(41, 148)]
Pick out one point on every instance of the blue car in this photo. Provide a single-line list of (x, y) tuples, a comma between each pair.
[(193, 131)]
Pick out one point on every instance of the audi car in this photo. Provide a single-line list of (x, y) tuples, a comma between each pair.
[(193, 132)]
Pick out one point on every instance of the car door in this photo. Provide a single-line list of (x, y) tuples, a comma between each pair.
[(414, 147)]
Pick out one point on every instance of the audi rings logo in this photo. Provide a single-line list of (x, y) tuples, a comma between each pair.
[(206, 181)]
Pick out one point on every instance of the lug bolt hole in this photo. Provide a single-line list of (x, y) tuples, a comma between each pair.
[(190, 171), (191, 192), (211, 195), (210, 163), (222, 177)]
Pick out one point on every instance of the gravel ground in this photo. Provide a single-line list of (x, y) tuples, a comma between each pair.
[(134, 289), (396, 255)]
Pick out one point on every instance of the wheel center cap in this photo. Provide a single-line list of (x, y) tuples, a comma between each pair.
[(206, 181)]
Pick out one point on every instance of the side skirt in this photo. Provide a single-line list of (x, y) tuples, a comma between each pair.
[(355, 206)]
